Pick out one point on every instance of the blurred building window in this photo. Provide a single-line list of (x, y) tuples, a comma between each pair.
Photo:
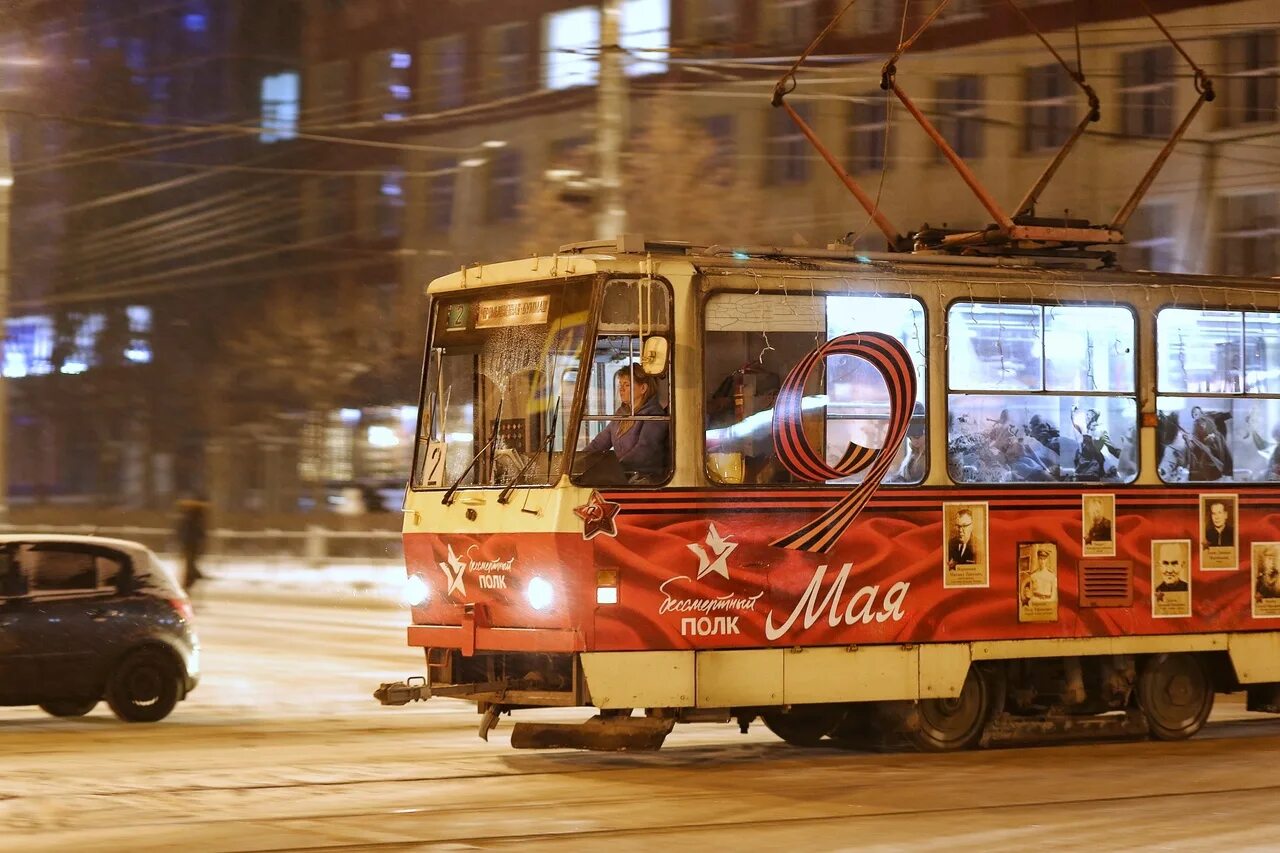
[(331, 210), (389, 208), (875, 16), (440, 194), (1252, 67), (786, 149), (958, 10), (85, 330), (572, 46), (959, 114), (387, 84), (1249, 234), (1151, 243), (789, 23), (279, 107), (713, 25), (443, 76), (868, 132), (329, 95), (1146, 92), (138, 350), (719, 131), (645, 36), (1049, 111), (507, 59), (503, 201), (28, 346)]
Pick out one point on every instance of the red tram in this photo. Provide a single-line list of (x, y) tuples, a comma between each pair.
[(858, 496)]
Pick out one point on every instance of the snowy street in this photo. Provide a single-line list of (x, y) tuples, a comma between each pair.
[(282, 748)]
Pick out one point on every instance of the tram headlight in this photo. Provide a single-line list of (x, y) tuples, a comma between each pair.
[(540, 593), (416, 592)]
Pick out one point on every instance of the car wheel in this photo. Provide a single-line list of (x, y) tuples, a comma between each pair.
[(69, 707), (143, 688)]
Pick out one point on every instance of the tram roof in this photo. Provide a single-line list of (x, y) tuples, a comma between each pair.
[(632, 254)]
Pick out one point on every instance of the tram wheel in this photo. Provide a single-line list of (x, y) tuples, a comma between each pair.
[(1175, 695), (804, 725), (947, 725)]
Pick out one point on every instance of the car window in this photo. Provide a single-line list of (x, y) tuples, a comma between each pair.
[(11, 580), (53, 570), (108, 570)]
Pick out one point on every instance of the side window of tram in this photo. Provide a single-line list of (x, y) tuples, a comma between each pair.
[(626, 436), (752, 341), (1041, 393), (1218, 395)]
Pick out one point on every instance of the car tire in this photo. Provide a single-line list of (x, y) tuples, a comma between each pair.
[(143, 688), (68, 707)]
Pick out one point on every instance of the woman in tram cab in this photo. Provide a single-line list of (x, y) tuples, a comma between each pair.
[(639, 434)]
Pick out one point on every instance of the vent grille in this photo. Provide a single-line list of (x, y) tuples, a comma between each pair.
[(1106, 583)]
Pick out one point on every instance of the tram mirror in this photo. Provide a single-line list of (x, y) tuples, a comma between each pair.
[(653, 356)]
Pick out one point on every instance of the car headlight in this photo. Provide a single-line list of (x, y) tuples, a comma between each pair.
[(416, 592), (540, 593)]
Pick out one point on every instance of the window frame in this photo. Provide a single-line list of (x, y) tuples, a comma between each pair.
[(501, 291), (583, 389), (1135, 394), (1233, 484), (922, 392), (123, 577)]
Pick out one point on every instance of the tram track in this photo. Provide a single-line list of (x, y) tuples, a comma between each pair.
[(616, 834), (196, 805)]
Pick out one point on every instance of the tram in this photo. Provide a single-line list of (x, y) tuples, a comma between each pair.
[(861, 497)]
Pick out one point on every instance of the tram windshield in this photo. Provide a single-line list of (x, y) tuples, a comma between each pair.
[(501, 371)]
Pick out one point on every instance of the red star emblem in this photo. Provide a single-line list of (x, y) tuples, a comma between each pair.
[(597, 516)]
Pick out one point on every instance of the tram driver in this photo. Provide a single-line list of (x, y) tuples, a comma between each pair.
[(639, 435)]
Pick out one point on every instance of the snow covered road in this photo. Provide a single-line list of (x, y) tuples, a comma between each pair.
[(283, 748)]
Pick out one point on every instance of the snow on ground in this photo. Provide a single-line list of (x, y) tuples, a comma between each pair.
[(364, 584)]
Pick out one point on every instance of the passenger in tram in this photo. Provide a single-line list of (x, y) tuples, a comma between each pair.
[(1208, 456), (640, 446), (1172, 442), (1269, 453), (912, 460), (1090, 462)]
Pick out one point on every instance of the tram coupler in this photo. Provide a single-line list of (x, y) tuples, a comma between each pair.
[(415, 689), (600, 734), (1007, 729)]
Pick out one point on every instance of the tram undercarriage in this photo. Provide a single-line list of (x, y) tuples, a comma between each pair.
[(1166, 696)]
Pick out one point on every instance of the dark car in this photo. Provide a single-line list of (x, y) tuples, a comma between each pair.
[(84, 618)]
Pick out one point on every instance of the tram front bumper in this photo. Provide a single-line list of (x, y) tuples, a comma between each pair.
[(471, 637)]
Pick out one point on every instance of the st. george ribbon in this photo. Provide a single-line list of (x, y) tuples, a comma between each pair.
[(891, 359)]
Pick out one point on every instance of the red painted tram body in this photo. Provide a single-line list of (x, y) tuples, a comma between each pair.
[(883, 496)]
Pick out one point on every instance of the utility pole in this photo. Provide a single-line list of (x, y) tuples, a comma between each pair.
[(611, 106), (6, 188)]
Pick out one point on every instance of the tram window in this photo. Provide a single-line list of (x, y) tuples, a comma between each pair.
[(753, 340), (1218, 400), (625, 437), (1059, 383), (500, 373)]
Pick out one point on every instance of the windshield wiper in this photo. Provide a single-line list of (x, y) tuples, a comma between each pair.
[(497, 420), (505, 496)]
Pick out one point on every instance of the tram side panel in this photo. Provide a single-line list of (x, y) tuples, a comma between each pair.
[(695, 569)]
